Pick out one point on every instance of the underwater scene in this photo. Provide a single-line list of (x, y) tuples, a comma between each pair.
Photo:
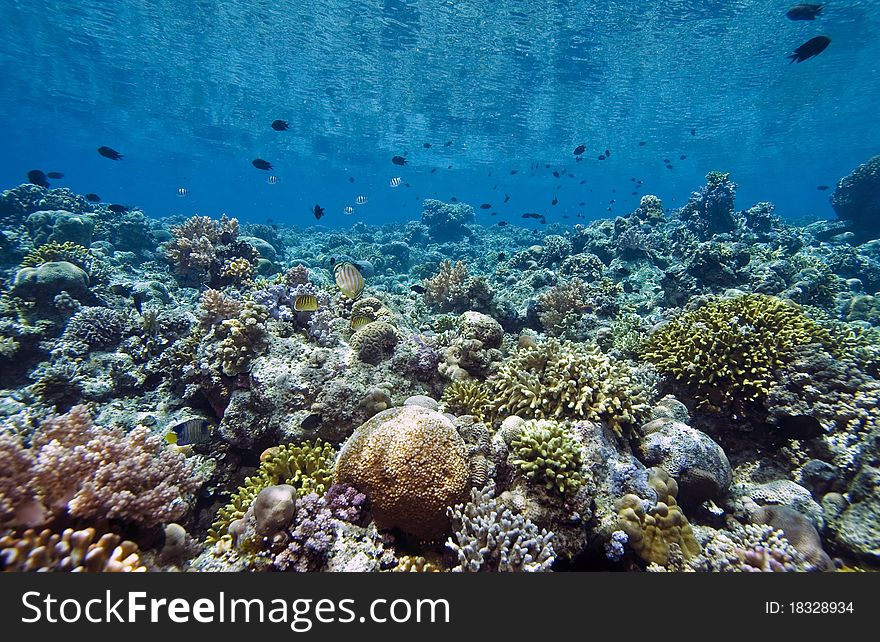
[(414, 286)]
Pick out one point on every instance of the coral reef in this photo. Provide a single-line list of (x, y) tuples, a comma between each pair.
[(69, 552), (857, 200)]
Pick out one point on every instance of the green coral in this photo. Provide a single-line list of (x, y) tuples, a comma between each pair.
[(728, 350), (466, 397), (308, 467), (560, 379), (546, 453), (69, 251), (629, 333)]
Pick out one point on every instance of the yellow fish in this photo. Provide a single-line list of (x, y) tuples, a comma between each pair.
[(349, 279), (189, 431), (305, 303), (359, 321)]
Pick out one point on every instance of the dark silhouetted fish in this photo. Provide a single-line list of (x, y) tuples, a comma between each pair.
[(426, 145), (634, 193), (351, 179), (581, 204), (513, 171), (580, 149), (398, 160), (94, 198), (110, 153), (669, 167), (502, 223), (55, 175), (37, 177), (804, 12), (682, 157), (584, 182), (822, 188), (453, 200), (812, 47), (318, 211), (119, 209), (693, 132), (532, 215), (280, 125), (554, 201), (433, 169), (607, 153), (418, 289), (447, 143), (666, 160), (486, 206), (556, 174), (602, 156), (259, 163), (449, 167), (506, 197), (311, 422), (641, 143)]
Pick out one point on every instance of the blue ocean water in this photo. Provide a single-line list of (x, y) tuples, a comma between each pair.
[(187, 92)]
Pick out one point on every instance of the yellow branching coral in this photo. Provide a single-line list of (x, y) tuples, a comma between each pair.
[(728, 350), (466, 397), (559, 379), (657, 535), (548, 454), (308, 467)]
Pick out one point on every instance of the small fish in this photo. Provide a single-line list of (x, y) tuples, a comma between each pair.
[(682, 157), (37, 177), (280, 125), (318, 211), (602, 157), (351, 179), (361, 200), (607, 153), (812, 47), (447, 143), (584, 182), (506, 197), (494, 214), (398, 160), (418, 289), (669, 166), (449, 167), (822, 188), (358, 321), (581, 204), (556, 174), (532, 215), (55, 175), (93, 198), (394, 182), (311, 422), (554, 201), (453, 200), (348, 209), (486, 206), (433, 169), (119, 209), (426, 145), (580, 149), (110, 153), (272, 180), (501, 223), (642, 143), (259, 163), (634, 193), (195, 430), (305, 303), (666, 160), (513, 171), (501, 256), (348, 279), (804, 12), (693, 132), (182, 191)]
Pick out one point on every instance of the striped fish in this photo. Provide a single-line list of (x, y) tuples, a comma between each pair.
[(348, 210), (348, 279), (195, 430), (305, 303), (360, 200), (272, 180), (359, 321), (182, 191), (394, 182)]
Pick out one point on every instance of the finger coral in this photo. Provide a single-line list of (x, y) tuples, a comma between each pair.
[(545, 452), (71, 551), (412, 465), (559, 379), (466, 397)]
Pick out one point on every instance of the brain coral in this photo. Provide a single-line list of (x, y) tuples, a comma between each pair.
[(557, 379), (412, 464), (374, 341), (728, 350)]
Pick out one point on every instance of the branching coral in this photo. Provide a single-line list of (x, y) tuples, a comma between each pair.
[(489, 537), (209, 251), (96, 327), (308, 467), (453, 290), (560, 308), (231, 344), (466, 397), (310, 539), (546, 453), (94, 472), (751, 548), (728, 350), (70, 551), (653, 531), (558, 379)]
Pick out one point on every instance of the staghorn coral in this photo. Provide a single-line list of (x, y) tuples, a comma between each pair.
[(547, 454), (308, 467), (453, 290), (653, 531), (412, 465), (70, 551), (466, 397), (558, 379), (489, 537), (727, 351), (374, 341)]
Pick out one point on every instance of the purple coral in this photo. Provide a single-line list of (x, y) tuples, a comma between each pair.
[(311, 537), (346, 503)]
